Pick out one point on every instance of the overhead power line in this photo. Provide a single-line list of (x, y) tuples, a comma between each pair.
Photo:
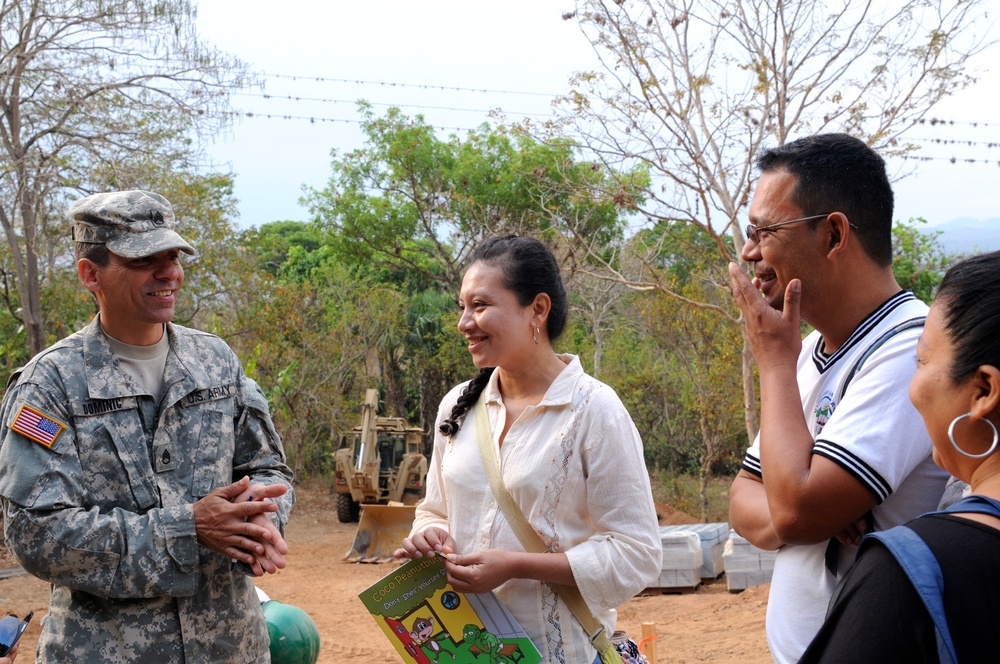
[(423, 86), (354, 101), (313, 119), (941, 121), (552, 95), (954, 160), (933, 122), (957, 141)]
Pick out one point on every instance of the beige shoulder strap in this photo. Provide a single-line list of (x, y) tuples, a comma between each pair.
[(529, 538)]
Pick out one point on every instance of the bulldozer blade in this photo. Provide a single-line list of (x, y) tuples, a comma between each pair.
[(381, 530)]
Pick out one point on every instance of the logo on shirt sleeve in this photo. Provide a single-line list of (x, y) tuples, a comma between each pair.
[(823, 412), (37, 426)]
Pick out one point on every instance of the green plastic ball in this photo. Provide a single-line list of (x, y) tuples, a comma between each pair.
[(293, 634)]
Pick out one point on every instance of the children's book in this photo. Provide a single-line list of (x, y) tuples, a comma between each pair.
[(428, 621)]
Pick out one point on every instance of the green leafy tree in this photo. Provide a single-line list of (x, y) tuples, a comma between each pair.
[(411, 200), (691, 91), (93, 93), (409, 207), (637, 367), (204, 207), (436, 352), (311, 335), (283, 246), (700, 346), (918, 259), (304, 255)]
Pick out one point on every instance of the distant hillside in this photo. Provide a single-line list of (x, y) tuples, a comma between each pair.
[(967, 235)]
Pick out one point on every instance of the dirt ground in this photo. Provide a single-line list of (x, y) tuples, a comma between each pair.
[(709, 624)]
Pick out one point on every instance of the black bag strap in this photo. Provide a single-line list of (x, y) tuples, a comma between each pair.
[(875, 345), (833, 546)]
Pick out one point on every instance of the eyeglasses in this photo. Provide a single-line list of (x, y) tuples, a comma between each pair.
[(753, 232), (11, 630)]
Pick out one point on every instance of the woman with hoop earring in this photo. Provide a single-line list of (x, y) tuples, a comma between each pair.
[(877, 614)]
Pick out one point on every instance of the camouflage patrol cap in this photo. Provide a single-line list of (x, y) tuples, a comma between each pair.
[(132, 224)]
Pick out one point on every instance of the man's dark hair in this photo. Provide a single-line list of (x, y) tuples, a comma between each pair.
[(839, 173), (99, 254)]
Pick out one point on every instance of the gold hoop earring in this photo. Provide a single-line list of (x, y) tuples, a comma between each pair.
[(536, 334), (951, 437)]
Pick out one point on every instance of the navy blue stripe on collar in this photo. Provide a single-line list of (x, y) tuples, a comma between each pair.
[(824, 361)]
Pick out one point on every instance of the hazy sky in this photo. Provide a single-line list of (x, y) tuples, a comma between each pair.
[(513, 55)]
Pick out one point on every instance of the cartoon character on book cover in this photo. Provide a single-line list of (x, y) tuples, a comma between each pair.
[(429, 622)]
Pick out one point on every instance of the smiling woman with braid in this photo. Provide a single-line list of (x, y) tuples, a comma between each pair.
[(568, 452)]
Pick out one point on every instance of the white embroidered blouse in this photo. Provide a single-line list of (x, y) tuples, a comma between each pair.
[(574, 465)]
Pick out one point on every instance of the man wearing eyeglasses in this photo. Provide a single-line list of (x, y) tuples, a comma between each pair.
[(140, 472), (841, 449)]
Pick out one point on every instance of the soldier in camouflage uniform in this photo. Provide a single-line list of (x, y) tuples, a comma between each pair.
[(140, 472)]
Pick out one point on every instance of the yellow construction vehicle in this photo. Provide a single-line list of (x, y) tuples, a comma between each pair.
[(380, 475)]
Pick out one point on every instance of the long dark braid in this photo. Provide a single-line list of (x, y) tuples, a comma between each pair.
[(529, 268), (466, 400)]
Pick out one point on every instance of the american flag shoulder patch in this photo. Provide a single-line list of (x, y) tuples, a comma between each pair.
[(37, 426)]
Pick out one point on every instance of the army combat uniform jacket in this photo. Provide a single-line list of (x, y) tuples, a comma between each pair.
[(103, 509)]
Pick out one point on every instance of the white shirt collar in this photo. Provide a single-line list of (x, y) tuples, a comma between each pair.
[(560, 392)]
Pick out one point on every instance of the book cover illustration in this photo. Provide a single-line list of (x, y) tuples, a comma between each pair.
[(429, 622)]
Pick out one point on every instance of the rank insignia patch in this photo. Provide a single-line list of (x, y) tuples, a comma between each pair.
[(37, 426)]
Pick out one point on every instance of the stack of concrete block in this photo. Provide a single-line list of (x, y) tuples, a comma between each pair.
[(681, 559), (746, 566), (712, 539)]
